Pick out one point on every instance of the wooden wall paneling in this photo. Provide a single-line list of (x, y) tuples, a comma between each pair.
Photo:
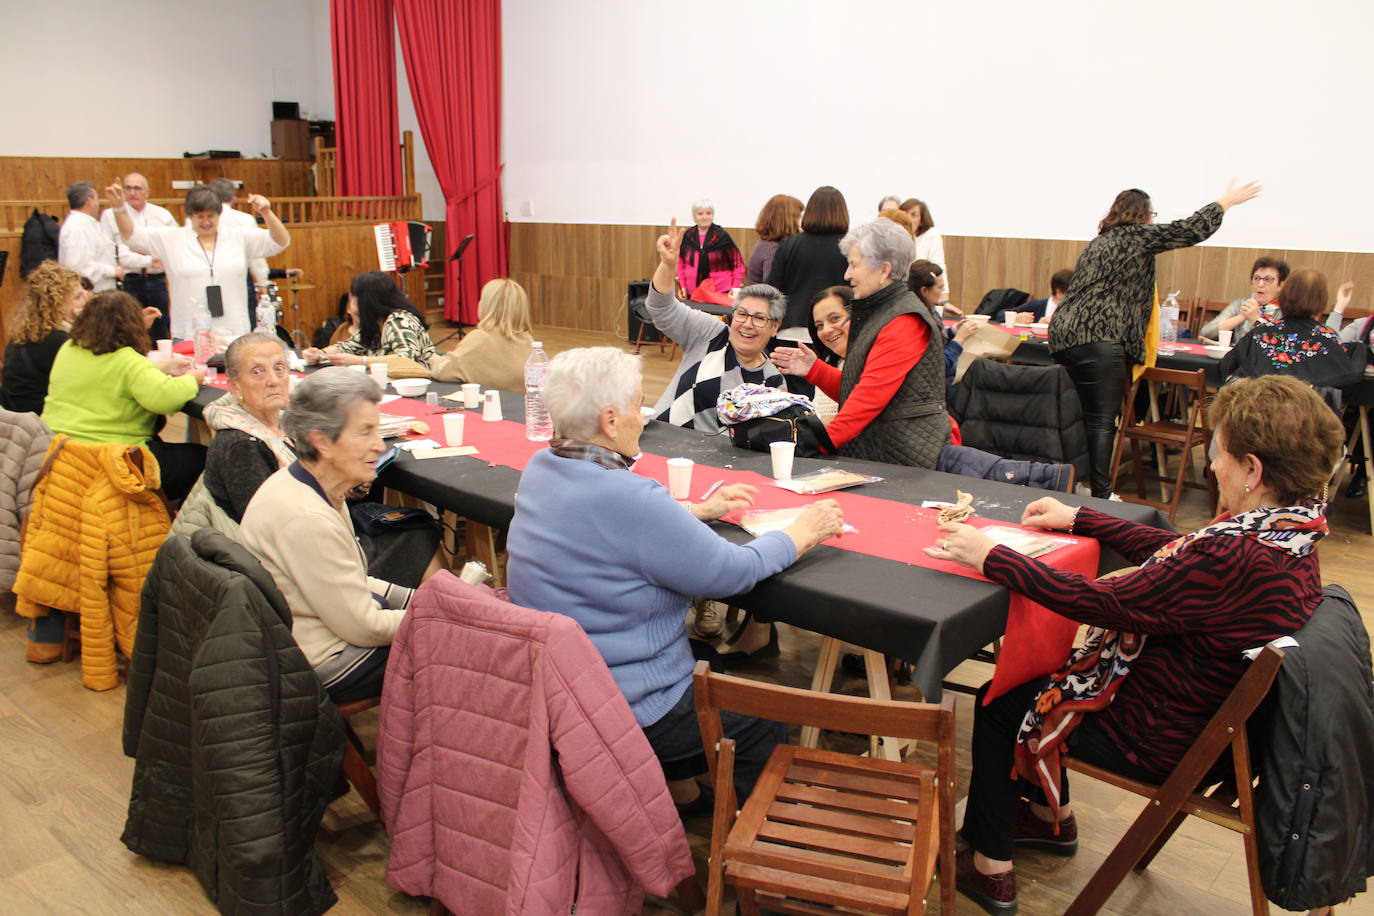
[(46, 177), (954, 262), (1215, 271), (1236, 282), (1360, 268)]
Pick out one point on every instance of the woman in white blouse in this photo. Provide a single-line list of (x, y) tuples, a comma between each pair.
[(207, 254), (930, 245)]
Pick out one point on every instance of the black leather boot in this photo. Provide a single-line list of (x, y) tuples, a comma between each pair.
[(1359, 480)]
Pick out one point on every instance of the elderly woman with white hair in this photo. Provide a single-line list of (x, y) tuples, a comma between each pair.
[(715, 357), (298, 525), (592, 540), (708, 252), (891, 388)]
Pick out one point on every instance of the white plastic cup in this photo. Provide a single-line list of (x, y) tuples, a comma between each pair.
[(782, 453), (379, 374), (472, 395), (453, 428), (491, 405), (1223, 337), (211, 374), (679, 478), (164, 347), (1009, 321), (431, 399)]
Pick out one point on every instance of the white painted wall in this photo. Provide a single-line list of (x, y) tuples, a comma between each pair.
[(92, 78), (1009, 119)]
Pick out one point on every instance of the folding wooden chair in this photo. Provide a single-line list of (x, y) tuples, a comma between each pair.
[(827, 829), (1178, 797), (355, 768), (1157, 430)]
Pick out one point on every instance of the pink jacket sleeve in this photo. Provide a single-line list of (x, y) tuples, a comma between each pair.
[(608, 768)]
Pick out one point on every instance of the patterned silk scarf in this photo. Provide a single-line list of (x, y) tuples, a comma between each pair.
[(1088, 682)]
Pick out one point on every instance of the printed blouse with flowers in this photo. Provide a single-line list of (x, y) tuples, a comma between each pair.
[(1299, 347)]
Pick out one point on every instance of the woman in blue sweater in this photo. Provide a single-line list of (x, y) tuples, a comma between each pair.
[(614, 551)]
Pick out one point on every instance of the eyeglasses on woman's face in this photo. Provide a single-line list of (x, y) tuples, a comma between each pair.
[(754, 319)]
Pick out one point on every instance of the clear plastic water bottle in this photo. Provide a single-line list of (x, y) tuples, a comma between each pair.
[(1168, 320), (538, 423), (266, 312), (204, 334)]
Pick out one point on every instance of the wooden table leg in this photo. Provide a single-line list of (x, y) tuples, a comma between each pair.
[(198, 431), (821, 680), (482, 543), (876, 665), (1369, 461)]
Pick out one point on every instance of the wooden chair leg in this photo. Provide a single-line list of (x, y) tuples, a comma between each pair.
[(1139, 837), (744, 898), (821, 681), (360, 777), (1158, 844), (482, 542), (689, 894), (1369, 457), (71, 635)]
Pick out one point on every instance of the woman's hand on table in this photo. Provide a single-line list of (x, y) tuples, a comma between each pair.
[(962, 544), (725, 500), (314, 355), (198, 372), (174, 365), (818, 522), (796, 360), (342, 359), (964, 329), (1048, 512)]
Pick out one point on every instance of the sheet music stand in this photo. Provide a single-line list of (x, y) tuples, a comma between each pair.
[(457, 257)]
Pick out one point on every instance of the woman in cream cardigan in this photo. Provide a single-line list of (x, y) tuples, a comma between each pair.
[(493, 355)]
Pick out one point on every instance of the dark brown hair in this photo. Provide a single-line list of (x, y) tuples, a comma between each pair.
[(826, 212), (1287, 426), (1278, 264), (1304, 295), (111, 321), (1131, 206), (779, 218), (846, 296), (926, 222), (1060, 281), (922, 276)]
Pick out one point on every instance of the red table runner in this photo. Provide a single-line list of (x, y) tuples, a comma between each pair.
[(1037, 640), (1026, 331)]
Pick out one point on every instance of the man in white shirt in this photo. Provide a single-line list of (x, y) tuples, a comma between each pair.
[(144, 276), (81, 246)]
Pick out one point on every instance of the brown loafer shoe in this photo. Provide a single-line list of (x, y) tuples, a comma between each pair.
[(43, 653), (994, 893), (1035, 833)]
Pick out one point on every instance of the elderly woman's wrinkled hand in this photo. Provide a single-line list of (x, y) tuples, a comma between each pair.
[(669, 244), (174, 365), (1048, 512), (796, 360), (726, 499), (962, 544), (342, 359), (818, 522)]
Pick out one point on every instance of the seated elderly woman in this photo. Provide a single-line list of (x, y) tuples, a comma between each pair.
[(386, 324), (709, 254), (891, 390), (103, 388), (493, 354), (1153, 672), (715, 357), (38, 328), (1297, 344), (250, 446), (298, 526), (612, 550)]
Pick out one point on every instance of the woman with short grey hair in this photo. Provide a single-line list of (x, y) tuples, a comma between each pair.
[(715, 357), (611, 549), (299, 526), (711, 265), (891, 389)]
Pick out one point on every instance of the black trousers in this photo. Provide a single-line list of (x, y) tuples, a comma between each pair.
[(152, 291), (993, 792), (1098, 371)]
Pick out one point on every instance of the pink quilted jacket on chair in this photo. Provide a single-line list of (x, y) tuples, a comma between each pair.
[(513, 777)]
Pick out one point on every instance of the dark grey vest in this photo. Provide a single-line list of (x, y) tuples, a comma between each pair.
[(914, 426)]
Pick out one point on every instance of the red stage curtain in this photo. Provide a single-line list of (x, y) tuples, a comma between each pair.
[(453, 62), (368, 128)]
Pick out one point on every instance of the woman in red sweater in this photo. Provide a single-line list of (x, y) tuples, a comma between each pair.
[(1164, 648)]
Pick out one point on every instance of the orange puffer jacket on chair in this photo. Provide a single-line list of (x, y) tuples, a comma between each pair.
[(96, 524)]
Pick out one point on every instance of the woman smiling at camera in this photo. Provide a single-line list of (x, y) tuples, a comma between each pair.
[(1164, 648)]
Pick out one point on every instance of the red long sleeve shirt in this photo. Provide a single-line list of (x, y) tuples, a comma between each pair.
[(897, 349)]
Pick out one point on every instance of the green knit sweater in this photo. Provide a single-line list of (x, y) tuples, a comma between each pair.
[(113, 397)]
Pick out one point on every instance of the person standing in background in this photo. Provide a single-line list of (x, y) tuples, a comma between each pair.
[(810, 261), (778, 220), (81, 246), (226, 191), (930, 245), (144, 276)]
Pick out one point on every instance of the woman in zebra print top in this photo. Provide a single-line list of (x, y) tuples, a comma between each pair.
[(1166, 639)]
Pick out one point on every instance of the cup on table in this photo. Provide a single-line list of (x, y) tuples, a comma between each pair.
[(472, 395), (1223, 338), (431, 399), (379, 374), (164, 348), (1010, 320), (679, 477), (782, 453), (211, 374), (491, 404), (453, 427)]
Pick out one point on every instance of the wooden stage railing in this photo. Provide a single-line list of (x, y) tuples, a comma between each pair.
[(327, 166)]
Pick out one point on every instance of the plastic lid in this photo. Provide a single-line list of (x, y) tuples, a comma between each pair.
[(536, 344)]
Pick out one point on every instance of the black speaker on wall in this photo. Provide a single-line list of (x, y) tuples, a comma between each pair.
[(286, 111)]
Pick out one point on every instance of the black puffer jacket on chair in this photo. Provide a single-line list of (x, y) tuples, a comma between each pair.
[(238, 746)]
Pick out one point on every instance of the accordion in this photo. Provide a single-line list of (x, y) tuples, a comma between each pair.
[(402, 245)]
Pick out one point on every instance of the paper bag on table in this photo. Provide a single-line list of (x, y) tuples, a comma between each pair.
[(988, 341)]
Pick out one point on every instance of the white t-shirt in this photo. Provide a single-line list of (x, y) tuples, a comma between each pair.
[(930, 246), (82, 247), (190, 269)]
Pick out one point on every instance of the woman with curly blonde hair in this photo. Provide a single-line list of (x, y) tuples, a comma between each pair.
[(39, 326)]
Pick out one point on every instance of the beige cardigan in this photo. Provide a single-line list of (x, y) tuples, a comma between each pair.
[(490, 360)]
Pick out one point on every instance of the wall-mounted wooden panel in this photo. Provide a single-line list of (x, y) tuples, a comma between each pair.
[(44, 178), (576, 274)]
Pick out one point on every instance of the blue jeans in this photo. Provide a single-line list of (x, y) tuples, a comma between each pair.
[(676, 740)]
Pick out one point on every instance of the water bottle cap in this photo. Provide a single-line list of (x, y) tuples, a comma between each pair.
[(536, 345)]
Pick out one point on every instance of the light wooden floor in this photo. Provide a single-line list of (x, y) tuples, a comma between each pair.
[(64, 784)]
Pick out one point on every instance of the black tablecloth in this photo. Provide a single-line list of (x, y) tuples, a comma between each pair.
[(1035, 351), (930, 618)]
